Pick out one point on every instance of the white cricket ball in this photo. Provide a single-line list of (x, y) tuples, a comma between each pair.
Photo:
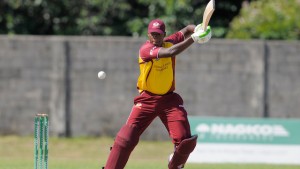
[(101, 75)]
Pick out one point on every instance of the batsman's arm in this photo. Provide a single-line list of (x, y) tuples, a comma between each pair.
[(179, 47), (188, 31), (175, 49), (198, 36)]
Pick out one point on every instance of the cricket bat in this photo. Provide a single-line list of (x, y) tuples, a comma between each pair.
[(209, 10)]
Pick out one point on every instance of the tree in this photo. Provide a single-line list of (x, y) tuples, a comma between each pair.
[(104, 17), (267, 19), (39, 17), (177, 13), (108, 17)]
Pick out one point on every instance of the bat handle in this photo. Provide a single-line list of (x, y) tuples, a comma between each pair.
[(204, 27)]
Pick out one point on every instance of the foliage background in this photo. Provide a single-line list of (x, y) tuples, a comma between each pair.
[(267, 19), (243, 19), (107, 17)]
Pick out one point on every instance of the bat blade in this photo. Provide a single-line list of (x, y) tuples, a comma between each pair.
[(209, 10)]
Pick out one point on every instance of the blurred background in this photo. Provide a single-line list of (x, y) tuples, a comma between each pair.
[(52, 50), (241, 90)]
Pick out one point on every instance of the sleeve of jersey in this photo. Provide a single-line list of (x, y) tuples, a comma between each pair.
[(149, 52), (175, 38)]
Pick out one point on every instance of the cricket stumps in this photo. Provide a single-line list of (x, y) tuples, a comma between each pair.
[(41, 135)]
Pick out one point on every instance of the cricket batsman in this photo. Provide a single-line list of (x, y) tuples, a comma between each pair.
[(156, 85)]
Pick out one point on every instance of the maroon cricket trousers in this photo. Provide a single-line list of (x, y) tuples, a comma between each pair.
[(169, 108)]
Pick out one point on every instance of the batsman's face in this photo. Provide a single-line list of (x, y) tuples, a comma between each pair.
[(156, 38)]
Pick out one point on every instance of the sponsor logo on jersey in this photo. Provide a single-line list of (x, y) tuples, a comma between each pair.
[(151, 51)]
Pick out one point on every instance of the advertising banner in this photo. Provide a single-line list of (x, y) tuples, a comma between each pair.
[(246, 140)]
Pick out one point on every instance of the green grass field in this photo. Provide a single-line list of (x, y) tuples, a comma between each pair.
[(91, 153)]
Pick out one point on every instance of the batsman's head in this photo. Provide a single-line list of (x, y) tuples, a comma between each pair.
[(157, 26)]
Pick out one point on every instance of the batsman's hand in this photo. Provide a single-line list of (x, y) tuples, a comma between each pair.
[(201, 36)]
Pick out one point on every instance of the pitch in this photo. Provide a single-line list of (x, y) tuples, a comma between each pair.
[(91, 153)]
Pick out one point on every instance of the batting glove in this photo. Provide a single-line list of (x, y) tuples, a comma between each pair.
[(201, 36)]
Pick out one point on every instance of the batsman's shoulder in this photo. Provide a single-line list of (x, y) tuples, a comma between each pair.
[(175, 38), (146, 45)]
